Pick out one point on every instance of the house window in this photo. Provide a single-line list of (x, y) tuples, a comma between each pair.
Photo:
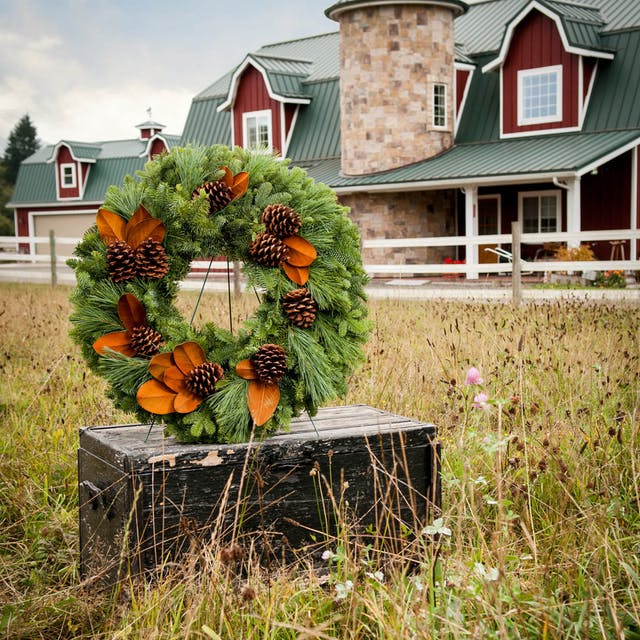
[(68, 175), (439, 105), (540, 212), (256, 130), (540, 95)]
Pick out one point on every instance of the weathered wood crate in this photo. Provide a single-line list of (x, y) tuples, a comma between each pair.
[(145, 499)]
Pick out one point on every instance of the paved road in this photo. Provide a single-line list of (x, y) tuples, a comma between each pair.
[(481, 290)]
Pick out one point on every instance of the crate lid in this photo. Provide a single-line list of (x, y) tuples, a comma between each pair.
[(140, 447)]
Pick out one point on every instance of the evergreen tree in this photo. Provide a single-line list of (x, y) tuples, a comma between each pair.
[(22, 143)]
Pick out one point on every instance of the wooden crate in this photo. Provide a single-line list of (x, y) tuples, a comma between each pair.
[(145, 499)]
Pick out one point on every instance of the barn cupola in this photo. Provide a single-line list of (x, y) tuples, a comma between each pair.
[(149, 129), (396, 81)]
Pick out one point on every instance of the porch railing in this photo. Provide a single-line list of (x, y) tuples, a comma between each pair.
[(9, 252), (471, 270)]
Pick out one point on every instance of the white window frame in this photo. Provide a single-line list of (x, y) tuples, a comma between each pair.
[(433, 105), (74, 175), (265, 113), (527, 73), (556, 193)]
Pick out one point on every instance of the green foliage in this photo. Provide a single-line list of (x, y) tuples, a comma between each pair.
[(319, 359), (22, 143), (611, 279)]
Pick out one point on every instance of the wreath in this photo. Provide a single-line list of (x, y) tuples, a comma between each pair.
[(301, 255)]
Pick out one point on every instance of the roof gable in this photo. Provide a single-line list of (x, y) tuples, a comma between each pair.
[(80, 151), (581, 37), (282, 77)]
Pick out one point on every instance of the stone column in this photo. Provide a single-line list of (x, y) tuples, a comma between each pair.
[(391, 56)]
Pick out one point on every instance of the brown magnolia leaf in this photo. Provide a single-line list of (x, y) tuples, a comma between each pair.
[(301, 252), (111, 226), (262, 400), (139, 215), (299, 275), (186, 402), (159, 364), (175, 380), (227, 178), (140, 231), (131, 312), (246, 370), (117, 341), (188, 356), (240, 184), (155, 397)]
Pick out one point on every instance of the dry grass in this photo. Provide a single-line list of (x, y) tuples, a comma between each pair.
[(541, 490)]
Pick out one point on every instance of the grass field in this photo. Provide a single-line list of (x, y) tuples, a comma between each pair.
[(540, 535)]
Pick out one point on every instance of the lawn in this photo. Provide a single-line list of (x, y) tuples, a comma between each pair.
[(540, 534)]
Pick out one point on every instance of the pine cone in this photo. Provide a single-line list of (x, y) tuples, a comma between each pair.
[(270, 362), (145, 341), (281, 221), (268, 250), (300, 308), (202, 380), (121, 261), (218, 194), (151, 260)]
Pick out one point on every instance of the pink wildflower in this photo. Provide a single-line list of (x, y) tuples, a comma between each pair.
[(481, 401), (473, 376)]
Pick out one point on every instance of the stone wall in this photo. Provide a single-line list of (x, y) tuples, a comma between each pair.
[(390, 56), (417, 214)]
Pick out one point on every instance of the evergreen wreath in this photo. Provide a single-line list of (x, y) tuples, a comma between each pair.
[(300, 253)]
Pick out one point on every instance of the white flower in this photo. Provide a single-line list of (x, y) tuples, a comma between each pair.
[(328, 554), (490, 575), (437, 528), (343, 589), (376, 575)]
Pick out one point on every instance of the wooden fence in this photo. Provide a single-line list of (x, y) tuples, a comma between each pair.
[(9, 252)]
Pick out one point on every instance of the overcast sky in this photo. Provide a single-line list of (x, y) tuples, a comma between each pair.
[(87, 70)]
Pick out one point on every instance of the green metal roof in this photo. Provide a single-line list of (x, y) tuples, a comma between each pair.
[(615, 101), (205, 124), (321, 50), (481, 29), (114, 159), (564, 153), (35, 182), (111, 171), (82, 150), (317, 129)]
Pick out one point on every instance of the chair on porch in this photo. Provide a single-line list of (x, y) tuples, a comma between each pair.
[(507, 255)]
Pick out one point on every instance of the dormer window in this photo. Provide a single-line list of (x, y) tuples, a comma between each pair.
[(68, 175), (256, 130), (439, 105), (540, 95)]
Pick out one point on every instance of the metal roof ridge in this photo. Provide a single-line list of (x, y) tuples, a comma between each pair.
[(97, 145), (321, 80), (319, 35), (274, 57)]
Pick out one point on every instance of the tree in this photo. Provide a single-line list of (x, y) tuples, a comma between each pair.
[(22, 143)]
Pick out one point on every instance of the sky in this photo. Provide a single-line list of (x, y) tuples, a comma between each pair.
[(88, 70)]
